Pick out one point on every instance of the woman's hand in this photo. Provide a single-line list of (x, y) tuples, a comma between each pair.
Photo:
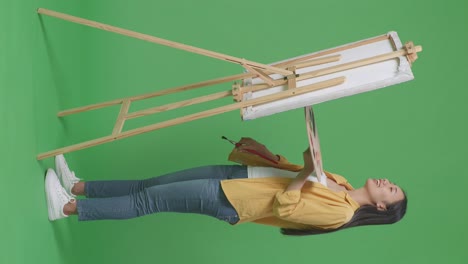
[(308, 162), (250, 145), (301, 178)]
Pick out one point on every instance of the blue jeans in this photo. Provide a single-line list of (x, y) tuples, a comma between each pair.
[(195, 190)]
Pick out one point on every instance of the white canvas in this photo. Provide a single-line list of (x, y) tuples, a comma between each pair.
[(358, 80)]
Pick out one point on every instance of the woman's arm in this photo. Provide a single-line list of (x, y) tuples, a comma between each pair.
[(290, 205), (301, 177)]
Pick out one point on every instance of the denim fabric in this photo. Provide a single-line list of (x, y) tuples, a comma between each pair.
[(195, 190)]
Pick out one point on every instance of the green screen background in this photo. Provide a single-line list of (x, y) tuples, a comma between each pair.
[(413, 133)]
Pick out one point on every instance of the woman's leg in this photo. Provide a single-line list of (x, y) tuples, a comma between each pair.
[(203, 196), (99, 189)]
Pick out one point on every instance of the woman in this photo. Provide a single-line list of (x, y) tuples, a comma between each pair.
[(262, 193)]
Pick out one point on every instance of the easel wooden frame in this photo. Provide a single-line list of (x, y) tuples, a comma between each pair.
[(254, 69)]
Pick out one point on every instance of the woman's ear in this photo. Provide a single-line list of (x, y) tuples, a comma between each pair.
[(381, 206)]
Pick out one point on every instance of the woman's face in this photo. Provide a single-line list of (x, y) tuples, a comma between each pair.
[(382, 192)]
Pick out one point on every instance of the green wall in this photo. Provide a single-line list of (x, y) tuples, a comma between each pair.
[(413, 133)]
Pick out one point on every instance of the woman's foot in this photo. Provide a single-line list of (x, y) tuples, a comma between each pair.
[(78, 189), (67, 176), (57, 197), (70, 208)]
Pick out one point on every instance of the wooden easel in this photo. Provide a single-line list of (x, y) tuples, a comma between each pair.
[(286, 69)]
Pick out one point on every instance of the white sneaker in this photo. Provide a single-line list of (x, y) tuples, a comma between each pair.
[(57, 196), (67, 176)]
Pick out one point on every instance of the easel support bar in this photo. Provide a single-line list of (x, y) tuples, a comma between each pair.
[(160, 41), (196, 116), (155, 94), (330, 51), (121, 118), (179, 104)]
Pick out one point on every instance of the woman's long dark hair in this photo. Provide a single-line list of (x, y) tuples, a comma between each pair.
[(365, 215)]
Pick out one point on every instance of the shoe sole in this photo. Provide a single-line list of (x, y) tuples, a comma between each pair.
[(49, 187)]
